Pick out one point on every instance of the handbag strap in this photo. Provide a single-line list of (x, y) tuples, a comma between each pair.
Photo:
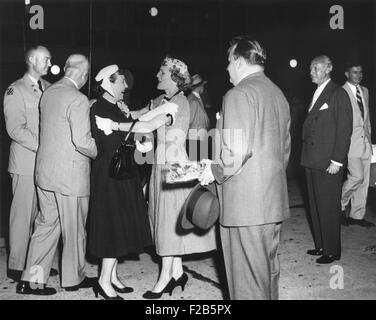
[(130, 129)]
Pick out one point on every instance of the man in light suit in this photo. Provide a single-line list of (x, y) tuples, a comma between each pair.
[(326, 140), (355, 188), (62, 176), (21, 112), (250, 173)]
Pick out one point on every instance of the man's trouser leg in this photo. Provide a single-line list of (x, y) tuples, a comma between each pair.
[(251, 261), (23, 212), (73, 213), (327, 191), (44, 241), (355, 188)]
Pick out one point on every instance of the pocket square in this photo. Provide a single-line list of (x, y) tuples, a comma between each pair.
[(324, 106)]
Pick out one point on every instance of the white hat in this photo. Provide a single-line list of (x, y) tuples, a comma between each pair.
[(104, 75)]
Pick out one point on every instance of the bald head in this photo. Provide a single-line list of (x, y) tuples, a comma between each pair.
[(321, 67), (77, 68), (38, 60)]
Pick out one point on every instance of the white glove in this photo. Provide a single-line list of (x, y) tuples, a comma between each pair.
[(104, 124), (207, 175), (144, 147), (166, 108)]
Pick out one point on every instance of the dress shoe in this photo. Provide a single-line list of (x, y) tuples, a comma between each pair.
[(360, 222), (53, 272), (14, 274), (86, 283), (181, 282), (325, 259), (97, 289), (156, 295), (315, 252), (23, 287), (122, 290)]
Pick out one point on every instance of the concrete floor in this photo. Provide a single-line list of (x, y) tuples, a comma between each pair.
[(301, 278)]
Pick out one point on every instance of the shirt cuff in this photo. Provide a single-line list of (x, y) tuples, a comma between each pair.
[(336, 163)]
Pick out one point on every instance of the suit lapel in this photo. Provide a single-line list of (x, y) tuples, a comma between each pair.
[(322, 98)]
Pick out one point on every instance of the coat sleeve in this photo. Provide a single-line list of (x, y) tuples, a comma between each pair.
[(78, 114), (344, 125), (15, 120), (366, 96), (237, 134)]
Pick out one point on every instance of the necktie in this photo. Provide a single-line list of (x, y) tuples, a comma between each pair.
[(40, 85), (359, 100)]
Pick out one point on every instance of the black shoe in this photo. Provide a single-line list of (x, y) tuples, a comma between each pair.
[(123, 290), (86, 283), (14, 274), (360, 222), (182, 281), (24, 287), (97, 289), (315, 252), (156, 295), (53, 272), (344, 219), (325, 259)]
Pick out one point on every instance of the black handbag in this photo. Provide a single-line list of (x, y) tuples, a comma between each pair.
[(122, 165)]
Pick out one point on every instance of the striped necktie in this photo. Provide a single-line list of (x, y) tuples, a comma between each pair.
[(359, 100)]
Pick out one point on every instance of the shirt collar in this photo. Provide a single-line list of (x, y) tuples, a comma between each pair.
[(258, 70), (74, 82), (323, 85), (35, 81), (196, 94)]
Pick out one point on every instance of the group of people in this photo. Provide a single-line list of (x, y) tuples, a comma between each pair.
[(63, 145)]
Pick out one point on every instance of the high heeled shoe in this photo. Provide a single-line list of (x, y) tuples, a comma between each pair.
[(181, 282), (123, 290), (156, 295), (99, 290)]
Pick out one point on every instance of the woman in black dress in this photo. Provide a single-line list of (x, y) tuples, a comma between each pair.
[(118, 213)]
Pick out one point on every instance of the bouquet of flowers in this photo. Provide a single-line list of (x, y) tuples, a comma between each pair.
[(184, 171)]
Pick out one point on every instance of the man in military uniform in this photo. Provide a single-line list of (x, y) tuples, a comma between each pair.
[(21, 113)]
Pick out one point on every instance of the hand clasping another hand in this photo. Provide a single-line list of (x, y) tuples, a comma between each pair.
[(104, 124)]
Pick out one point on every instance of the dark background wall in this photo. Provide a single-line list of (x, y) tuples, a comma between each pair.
[(123, 32)]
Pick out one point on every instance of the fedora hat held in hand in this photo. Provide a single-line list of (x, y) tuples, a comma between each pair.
[(201, 209)]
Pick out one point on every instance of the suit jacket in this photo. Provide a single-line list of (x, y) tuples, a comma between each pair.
[(327, 132), (254, 148), (63, 163), (361, 144), (198, 118), (21, 113)]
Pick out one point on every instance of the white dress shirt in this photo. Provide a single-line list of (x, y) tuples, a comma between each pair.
[(317, 93)]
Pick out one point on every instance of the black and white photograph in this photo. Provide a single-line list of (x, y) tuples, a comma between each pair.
[(184, 150)]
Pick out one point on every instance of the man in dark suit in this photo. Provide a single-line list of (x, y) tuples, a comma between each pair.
[(250, 173), (326, 140)]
